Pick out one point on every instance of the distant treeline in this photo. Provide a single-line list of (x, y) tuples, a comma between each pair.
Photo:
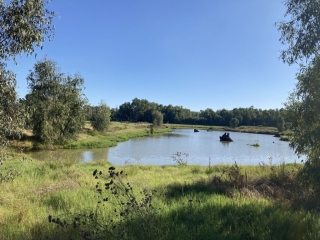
[(140, 110)]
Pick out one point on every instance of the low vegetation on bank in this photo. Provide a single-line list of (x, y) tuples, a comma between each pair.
[(90, 138), (123, 131), (68, 200)]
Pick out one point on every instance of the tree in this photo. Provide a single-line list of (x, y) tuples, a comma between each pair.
[(303, 110), (101, 117), (234, 122), (23, 26), (157, 118), (302, 35), (280, 124), (56, 103), (302, 31), (11, 118)]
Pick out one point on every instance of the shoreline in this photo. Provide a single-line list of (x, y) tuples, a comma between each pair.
[(121, 132)]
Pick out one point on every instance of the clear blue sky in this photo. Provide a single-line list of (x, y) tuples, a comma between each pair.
[(193, 53)]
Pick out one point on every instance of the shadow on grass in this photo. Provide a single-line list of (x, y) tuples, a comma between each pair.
[(197, 220), (281, 187), (212, 209)]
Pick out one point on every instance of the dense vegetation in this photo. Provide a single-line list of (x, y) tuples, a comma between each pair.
[(154, 202), (95, 201), (140, 110), (55, 103)]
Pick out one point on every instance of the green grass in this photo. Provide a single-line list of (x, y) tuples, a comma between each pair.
[(120, 132), (94, 139), (191, 202), (254, 129), (89, 138)]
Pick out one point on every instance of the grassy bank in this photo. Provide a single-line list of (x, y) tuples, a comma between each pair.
[(120, 132), (88, 138), (244, 129), (254, 129), (173, 202)]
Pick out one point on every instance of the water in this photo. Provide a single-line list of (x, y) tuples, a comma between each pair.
[(202, 147)]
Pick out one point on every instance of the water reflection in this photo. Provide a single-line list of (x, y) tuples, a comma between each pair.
[(201, 147)]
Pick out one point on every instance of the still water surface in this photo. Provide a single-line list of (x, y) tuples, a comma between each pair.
[(201, 148)]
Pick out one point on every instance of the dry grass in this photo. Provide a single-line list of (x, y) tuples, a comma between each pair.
[(55, 187)]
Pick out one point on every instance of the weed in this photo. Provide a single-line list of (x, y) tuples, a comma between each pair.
[(256, 144), (237, 179), (131, 218), (196, 169), (209, 170), (180, 158), (8, 174)]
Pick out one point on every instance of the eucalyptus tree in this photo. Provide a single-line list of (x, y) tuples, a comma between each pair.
[(11, 118), (100, 120), (24, 25), (301, 31), (303, 110), (157, 118), (56, 102)]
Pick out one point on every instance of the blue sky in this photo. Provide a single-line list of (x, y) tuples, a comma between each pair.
[(196, 54)]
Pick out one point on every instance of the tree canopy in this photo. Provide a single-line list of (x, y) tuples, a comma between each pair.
[(136, 111), (304, 111), (100, 119), (56, 103), (301, 32), (24, 24), (10, 117)]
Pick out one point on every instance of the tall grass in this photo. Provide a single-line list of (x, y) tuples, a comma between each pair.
[(175, 202)]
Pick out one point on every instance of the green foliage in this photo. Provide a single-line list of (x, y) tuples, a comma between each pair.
[(56, 103), (8, 174), (302, 35), (192, 210), (100, 119), (301, 32), (280, 124), (187, 202), (157, 118), (234, 122), (128, 211), (24, 25), (11, 117), (303, 110), (256, 144), (180, 158), (142, 110)]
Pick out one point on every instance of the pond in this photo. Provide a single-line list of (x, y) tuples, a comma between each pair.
[(199, 148)]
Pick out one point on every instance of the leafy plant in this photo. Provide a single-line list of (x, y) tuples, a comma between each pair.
[(132, 218), (56, 103), (256, 144), (24, 25), (180, 158), (100, 120)]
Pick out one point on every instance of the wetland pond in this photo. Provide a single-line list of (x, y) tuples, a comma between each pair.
[(201, 148)]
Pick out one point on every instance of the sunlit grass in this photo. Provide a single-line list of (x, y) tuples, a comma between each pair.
[(191, 199)]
